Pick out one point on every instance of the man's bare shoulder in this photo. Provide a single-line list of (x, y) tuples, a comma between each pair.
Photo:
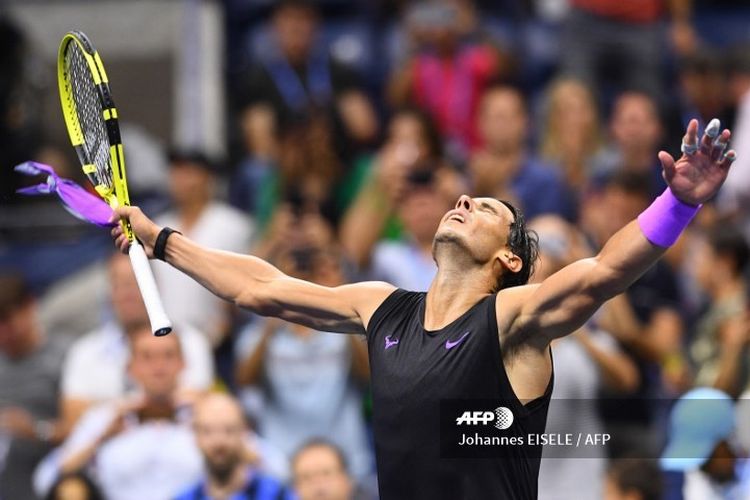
[(508, 304), (367, 296)]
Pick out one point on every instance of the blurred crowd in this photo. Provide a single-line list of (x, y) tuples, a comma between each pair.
[(354, 126)]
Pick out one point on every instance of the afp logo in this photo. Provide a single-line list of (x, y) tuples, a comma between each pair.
[(502, 417)]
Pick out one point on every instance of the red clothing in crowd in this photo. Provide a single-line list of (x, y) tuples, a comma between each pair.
[(628, 11)]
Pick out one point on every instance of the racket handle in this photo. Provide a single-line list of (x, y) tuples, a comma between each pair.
[(160, 323)]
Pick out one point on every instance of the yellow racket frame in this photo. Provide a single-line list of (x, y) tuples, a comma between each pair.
[(117, 195)]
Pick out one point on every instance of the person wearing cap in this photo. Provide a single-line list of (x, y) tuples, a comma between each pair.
[(198, 214), (700, 461)]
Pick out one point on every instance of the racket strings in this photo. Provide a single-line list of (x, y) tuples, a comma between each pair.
[(89, 111)]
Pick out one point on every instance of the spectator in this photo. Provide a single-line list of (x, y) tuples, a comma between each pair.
[(308, 173), (585, 362), (197, 214), (504, 168), (633, 479), (699, 462), (646, 321), (142, 445), (413, 152), (719, 347), (295, 75), (307, 379), (221, 435), (621, 42), (571, 130), (95, 368), (29, 382), (636, 133), (319, 471), (703, 90), (408, 262), (446, 75)]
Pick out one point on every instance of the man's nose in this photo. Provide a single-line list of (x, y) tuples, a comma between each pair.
[(465, 202)]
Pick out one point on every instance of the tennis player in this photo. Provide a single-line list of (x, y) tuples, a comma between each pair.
[(479, 332)]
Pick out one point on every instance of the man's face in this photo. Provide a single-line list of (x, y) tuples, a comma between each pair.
[(188, 182), (503, 121), (479, 225), (721, 464), (155, 362), (318, 475), (220, 435), (16, 327), (127, 301), (635, 122), (295, 32)]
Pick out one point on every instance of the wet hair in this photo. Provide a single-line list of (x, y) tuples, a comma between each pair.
[(728, 241), (322, 443), (637, 474), (524, 243)]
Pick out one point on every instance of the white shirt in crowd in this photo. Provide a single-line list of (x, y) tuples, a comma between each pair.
[(577, 384), (95, 367), (185, 301), (150, 460), (153, 460)]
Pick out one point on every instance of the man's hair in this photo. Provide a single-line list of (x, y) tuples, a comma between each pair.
[(524, 243), (319, 442), (637, 474), (728, 241)]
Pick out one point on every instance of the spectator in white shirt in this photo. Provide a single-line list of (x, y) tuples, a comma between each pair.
[(95, 366), (198, 215), (142, 446)]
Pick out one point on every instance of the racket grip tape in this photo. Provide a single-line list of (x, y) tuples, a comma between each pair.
[(160, 323)]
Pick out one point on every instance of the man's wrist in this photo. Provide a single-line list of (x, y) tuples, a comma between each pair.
[(665, 219), (160, 245)]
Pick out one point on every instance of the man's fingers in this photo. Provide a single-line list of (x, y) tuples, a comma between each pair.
[(690, 139), (667, 163), (709, 136), (728, 159), (720, 145)]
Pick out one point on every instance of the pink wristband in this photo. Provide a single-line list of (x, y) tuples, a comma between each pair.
[(664, 220)]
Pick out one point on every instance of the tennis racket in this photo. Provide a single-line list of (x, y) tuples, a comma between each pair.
[(91, 120)]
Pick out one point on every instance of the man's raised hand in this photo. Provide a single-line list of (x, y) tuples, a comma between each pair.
[(701, 170)]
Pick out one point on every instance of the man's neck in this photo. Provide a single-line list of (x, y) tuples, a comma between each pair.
[(222, 490), (638, 160), (454, 290), (27, 346)]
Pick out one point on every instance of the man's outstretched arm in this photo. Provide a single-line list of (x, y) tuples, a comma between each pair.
[(254, 284), (568, 298)]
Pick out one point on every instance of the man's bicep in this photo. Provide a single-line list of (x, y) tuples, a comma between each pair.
[(344, 309), (560, 304)]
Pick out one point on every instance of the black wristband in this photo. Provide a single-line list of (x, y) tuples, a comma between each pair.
[(161, 242)]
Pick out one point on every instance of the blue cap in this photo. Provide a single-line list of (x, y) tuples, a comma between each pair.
[(700, 420)]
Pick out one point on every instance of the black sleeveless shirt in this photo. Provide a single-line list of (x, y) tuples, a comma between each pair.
[(412, 370)]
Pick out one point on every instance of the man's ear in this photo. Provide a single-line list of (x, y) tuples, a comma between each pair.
[(510, 261)]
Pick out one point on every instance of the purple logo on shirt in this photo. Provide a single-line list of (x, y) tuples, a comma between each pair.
[(451, 345), (390, 343)]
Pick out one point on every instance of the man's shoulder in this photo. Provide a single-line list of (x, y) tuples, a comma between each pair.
[(93, 343)]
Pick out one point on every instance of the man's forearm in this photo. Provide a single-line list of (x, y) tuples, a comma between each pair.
[(227, 275), (624, 258)]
